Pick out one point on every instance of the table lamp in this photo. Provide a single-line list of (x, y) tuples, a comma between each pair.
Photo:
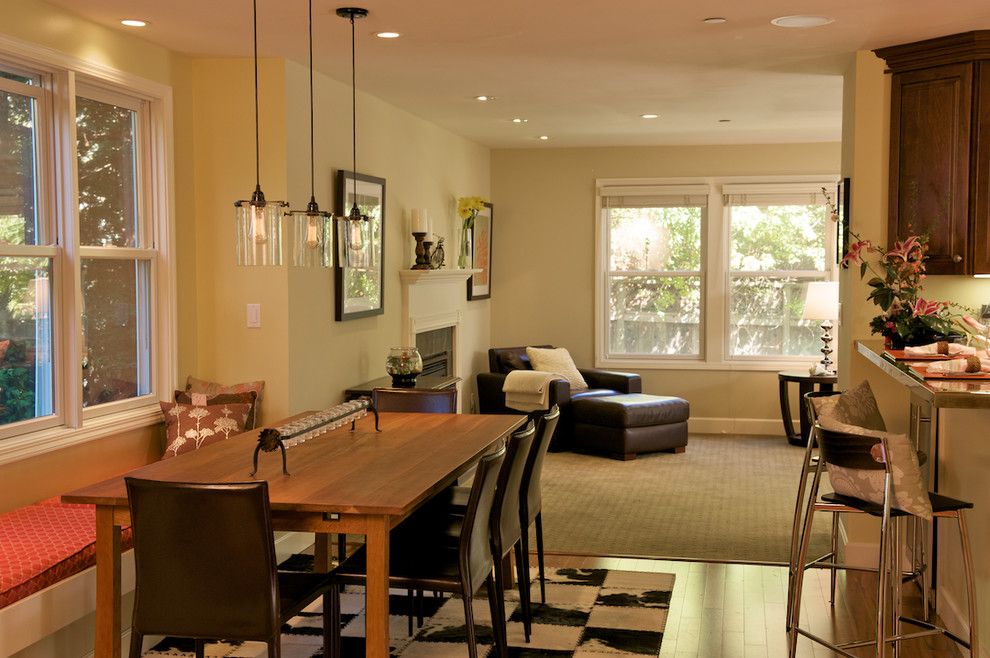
[(821, 302)]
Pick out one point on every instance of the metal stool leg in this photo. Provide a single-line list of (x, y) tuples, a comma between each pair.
[(883, 567), (799, 504), (974, 641), (835, 551), (797, 581)]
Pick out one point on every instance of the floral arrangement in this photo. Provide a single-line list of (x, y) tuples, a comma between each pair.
[(896, 287), (468, 208)]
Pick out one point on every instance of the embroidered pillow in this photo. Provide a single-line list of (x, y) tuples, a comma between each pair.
[(558, 361), (910, 493), (854, 406), (194, 385), (188, 427), (203, 400)]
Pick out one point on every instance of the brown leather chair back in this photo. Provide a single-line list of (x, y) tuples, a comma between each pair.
[(204, 558), (533, 478), (505, 511), (475, 544), (854, 451), (416, 400)]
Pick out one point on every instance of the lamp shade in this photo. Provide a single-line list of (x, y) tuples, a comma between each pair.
[(821, 301)]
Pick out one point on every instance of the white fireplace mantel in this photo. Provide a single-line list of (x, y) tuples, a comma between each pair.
[(420, 277)]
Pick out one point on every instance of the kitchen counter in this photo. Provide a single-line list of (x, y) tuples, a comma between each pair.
[(940, 393)]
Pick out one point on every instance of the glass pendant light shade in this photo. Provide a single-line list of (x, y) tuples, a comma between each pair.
[(259, 232), (310, 240)]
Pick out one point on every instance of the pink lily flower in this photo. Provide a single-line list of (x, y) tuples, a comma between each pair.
[(855, 254), (904, 248), (923, 307)]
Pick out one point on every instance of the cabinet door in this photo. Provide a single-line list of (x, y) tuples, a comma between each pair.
[(930, 128), (981, 172)]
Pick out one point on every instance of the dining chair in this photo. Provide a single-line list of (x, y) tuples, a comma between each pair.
[(530, 504), (205, 567), (415, 400), (421, 558), (862, 453)]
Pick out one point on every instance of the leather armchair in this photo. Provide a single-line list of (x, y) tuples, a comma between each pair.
[(503, 360)]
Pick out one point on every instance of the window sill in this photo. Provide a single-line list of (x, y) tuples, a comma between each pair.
[(697, 364), (43, 441)]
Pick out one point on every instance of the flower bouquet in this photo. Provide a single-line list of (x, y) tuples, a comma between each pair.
[(468, 208), (906, 318)]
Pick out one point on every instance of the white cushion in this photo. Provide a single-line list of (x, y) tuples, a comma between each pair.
[(558, 361)]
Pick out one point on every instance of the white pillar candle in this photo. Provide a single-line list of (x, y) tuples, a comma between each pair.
[(419, 222)]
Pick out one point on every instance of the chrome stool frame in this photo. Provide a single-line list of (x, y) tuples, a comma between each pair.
[(889, 580)]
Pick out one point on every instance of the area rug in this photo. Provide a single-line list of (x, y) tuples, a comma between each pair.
[(590, 613), (727, 498)]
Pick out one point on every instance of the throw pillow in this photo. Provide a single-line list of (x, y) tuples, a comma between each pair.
[(188, 427), (855, 406), (558, 361), (204, 400), (194, 385), (908, 487)]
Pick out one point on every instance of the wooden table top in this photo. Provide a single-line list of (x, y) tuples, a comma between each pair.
[(358, 472)]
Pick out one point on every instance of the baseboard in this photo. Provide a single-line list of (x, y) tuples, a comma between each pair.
[(749, 426)]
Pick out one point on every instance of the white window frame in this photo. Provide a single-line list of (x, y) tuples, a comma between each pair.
[(62, 74), (715, 274)]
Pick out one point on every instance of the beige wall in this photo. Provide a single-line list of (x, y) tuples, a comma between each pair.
[(544, 254)]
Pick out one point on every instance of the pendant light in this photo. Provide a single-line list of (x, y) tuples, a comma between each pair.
[(258, 222), (354, 220), (309, 228)]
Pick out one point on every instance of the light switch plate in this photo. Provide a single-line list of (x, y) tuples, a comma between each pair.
[(254, 316)]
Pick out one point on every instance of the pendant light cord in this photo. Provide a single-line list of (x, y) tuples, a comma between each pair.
[(257, 133), (312, 146), (353, 113)]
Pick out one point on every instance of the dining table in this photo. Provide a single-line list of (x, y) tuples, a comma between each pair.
[(359, 481)]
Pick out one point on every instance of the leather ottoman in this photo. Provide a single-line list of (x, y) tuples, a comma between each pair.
[(625, 425)]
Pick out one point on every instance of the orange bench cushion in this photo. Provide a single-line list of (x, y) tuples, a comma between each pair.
[(44, 543)]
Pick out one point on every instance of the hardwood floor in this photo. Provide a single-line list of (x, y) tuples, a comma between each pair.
[(732, 610)]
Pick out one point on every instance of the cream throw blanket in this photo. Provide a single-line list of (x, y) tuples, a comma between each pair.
[(528, 390)]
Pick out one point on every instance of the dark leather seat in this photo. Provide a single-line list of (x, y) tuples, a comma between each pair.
[(601, 383), (204, 558), (627, 425)]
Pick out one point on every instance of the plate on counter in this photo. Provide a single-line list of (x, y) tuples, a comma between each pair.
[(922, 371), (900, 355)]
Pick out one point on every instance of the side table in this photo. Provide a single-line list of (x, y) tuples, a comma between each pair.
[(432, 382), (806, 384)]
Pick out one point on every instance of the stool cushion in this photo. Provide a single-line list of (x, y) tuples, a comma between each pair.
[(631, 410)]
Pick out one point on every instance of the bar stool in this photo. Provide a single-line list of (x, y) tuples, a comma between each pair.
[(869, 451)]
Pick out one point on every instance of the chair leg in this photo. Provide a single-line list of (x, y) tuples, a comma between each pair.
[(200, 648), (472, 638), (341, 547), (796, 523), (834, 548), (539, 556), (882, 569), (411, 596), (797, 581), (419, 608), (137, 645), (522, 575), (332, 609), (896, 582), (327, 621), (498, 618), (275, 647), (974, 640)]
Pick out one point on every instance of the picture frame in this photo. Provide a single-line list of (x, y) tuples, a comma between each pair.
[(479, 286), (842, 200), (359, 272)]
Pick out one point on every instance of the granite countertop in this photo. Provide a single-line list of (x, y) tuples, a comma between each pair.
[(944, 393)]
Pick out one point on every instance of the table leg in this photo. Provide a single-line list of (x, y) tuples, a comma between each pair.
[(376, 604), (804, 388), (107, 584), (321, 553), (785, 412)]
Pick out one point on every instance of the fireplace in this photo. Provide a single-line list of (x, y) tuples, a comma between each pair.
[(437, 348)]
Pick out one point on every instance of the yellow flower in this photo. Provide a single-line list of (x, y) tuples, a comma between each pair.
[(469, 206)]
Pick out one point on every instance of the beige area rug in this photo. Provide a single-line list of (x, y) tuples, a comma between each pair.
[(726, 498)]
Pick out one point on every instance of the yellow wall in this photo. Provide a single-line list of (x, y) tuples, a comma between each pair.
[(545, 254)]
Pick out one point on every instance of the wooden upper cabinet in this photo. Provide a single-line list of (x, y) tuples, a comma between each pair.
[(939, 148)]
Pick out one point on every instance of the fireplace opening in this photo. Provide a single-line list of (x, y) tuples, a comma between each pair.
[(437, 350)]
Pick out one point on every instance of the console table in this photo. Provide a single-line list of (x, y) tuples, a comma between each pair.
[(426, 382)]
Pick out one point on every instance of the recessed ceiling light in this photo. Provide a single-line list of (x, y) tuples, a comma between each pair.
[(649, 116), (134, 22), (519, 120), (715, 20), (544, 137), (802, 20), (484, 98), (725, 120), (388, 35)]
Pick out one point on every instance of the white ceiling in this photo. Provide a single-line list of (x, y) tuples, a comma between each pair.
[(581, 71)]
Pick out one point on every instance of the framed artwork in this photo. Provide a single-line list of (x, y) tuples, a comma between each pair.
[(479, 286), (842, 204), (359, 272)]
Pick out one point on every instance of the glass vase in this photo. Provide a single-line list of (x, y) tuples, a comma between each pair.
[(404, 364)]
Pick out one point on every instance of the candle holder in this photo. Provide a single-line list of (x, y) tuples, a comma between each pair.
[(422, 252)]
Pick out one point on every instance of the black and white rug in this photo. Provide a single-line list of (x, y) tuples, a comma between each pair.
[(590, 613)]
